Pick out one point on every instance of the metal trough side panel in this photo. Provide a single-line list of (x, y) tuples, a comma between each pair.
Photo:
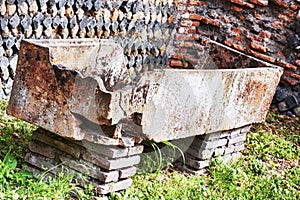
[(183, 103)]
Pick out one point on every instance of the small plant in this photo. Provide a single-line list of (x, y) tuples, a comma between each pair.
[(156, 156), (15, 134), (9, 173)]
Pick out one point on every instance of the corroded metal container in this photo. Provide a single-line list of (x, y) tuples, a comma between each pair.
[(81, 89)]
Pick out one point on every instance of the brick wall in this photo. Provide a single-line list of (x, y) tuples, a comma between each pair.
[(265, 29)]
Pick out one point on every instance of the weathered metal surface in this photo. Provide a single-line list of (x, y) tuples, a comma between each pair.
[(53, 96), (183, 103), (78, 89)]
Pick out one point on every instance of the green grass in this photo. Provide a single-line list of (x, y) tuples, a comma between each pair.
[(269, 169), (15, 134)]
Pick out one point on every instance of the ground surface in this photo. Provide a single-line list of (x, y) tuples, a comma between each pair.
[(269, 169)]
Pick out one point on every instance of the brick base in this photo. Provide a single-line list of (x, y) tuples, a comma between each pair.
[(224, 145), (109, 168)]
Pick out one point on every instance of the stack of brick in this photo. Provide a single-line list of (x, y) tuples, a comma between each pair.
[(223, 145), (108, 168)]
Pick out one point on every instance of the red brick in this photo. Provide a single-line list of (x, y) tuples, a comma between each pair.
[(243, 3), (195, 17), (290, 13), (260, 2), (195, 23), (170, 19), (286, 65), (294, 7), (211, 22), (284, 18), (241, 17), (184, 37), (293, 75), (257, 16), (205, 20), (176, 63), (198, 3), (277, 24), (186, 23), (289, 81), (255, 37), (191, 30), (236, 8), (281, 3), (234, 45), (176, 56), (265, 34), (258, 47), (226, 19), (237, 30), (280, 54), (238, 38), (261, 56)]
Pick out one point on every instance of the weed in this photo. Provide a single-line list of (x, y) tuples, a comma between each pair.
[(15, 134), (269, 168)]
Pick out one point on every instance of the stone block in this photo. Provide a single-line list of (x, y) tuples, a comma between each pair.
[(239, 147), (236, 156), (135, 150), (42, 149), (127, 172), (196, 164), (226, 158), (112, 187), (224, 134), (237, 139), (190, 170), (209, 144), (201, 153), (245, 129), (235, 133), (219, 151), (210, 136), (45, 137), (43, 163), (162, 110), (111, 164), (229, 149), (105, 150), (91, 170)]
